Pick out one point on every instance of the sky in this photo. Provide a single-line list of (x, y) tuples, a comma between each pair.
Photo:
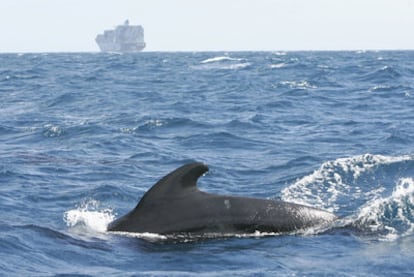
[(210, 25)]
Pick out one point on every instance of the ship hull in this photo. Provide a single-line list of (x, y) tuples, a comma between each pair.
[(118, 49)]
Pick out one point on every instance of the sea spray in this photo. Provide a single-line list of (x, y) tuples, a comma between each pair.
[(334, 183), (392, 216), (89, 217)]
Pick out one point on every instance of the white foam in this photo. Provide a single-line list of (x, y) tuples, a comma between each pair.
[(52, 131), (278, 65), (327, 184), (153, 237), (391, 216), (146, 236), (236, 66), (183, 238), (222, 63), (379, 87), (298, 84), (89, 217), (220, 59), (222, 66)]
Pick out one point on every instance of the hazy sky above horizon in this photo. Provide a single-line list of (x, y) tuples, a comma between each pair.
[(210, 25)]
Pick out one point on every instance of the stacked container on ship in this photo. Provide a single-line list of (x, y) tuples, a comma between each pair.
[(123, 39)]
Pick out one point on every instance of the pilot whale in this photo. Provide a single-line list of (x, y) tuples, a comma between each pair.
[(174, 205)]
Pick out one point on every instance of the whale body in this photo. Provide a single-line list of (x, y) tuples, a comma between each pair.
[(174, 205)]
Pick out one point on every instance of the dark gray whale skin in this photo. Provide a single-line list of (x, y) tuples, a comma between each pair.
[(174, 205)]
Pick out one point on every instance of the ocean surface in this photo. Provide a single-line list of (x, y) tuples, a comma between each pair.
[(84, 135)]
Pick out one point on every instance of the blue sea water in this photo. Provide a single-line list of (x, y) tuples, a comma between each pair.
[(84, 136)]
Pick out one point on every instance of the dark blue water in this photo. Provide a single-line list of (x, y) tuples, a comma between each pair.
[(83, 136)]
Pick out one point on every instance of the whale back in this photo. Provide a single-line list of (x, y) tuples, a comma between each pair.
[(175, 205)]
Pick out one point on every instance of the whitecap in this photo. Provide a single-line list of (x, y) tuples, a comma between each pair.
[(52, 131), (278, 65), (89, 218), (222, 63), (236, 66), (222, 66), (338, 185), (331, 181), (303, 84), (392, 216), (220, 59)]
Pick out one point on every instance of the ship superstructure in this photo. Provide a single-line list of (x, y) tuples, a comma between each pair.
[(124, 38)]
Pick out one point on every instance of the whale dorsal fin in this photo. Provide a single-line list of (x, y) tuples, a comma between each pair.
[(177, 183)]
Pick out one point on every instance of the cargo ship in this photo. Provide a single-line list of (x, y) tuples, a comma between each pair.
[(123, 39)]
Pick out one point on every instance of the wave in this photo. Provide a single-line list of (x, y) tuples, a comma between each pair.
[(231, 66), (277, 65), (390, 217), (89, 218), (220, 59), (354, 188), (383, 75), (51, 131), (324, 186), (223, 63), (303, 84)]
